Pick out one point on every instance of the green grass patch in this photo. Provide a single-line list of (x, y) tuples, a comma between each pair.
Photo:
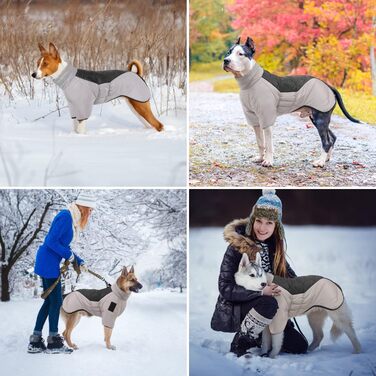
[(205, 71), (361, 106)]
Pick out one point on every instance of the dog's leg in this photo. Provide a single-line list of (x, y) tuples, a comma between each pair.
[(79, 126), (321, 121), (316, 321), (71, 321), (268, 159), (342, 322), (144, 114), (107, 338), (260, 143), (266, 343), (277, 340)]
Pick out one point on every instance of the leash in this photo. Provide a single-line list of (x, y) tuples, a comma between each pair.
[(63, 270), (100, 277), (296, 323)]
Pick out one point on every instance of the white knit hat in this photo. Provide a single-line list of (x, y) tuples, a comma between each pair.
[(87, 200)]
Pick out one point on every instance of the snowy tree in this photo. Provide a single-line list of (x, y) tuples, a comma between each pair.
[(23, 216)]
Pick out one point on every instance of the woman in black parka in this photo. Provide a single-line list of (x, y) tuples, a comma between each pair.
[(248, 312)]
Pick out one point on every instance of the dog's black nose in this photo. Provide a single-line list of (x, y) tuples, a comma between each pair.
[(226, 61), (33, 75), (263, 284)]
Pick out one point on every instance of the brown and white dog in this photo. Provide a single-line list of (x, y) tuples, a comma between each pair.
[(84, 88), (108, 303)]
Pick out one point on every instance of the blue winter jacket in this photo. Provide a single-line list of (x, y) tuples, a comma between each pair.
[(56, 246)]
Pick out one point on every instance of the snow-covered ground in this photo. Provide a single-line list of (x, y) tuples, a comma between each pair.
[(116, 151), (150, 337), (346, 255), (222, 146)]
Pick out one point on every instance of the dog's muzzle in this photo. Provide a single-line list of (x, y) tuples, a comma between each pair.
[(136, 287), (226, 63)]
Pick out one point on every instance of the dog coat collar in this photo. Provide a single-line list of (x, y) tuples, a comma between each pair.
[(119, 292), (248, 80), (66, 76)]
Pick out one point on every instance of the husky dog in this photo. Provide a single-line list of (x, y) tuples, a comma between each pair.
[(108, 303), (264, 96), (315, 296)]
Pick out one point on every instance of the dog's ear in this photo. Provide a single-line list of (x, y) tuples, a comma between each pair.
[(53, 51), (131, 269), (41, 48), (124, 272), (250, 44), (238, 41), (258, 259), (243, 262)]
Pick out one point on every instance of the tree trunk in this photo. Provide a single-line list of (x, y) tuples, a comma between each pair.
[(5, 296)]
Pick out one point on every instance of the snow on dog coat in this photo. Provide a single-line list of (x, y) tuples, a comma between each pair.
[(108, 303), (264, 96), (300, 294), (84, 88)]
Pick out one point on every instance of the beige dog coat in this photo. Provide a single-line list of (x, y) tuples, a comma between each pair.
[(300, 294), (108, 303)]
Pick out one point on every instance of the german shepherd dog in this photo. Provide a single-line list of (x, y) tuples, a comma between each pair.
[(108, 303), (315, 296)]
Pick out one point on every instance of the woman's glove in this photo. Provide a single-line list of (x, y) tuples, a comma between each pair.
[(83, 268)]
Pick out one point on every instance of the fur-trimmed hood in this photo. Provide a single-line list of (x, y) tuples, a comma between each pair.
[(234, 234)]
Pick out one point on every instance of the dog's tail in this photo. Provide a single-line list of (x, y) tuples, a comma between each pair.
[(138, 66), (342, 106)]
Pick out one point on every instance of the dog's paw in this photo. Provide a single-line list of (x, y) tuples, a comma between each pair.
[(318, 163), (257, 159), (267, 162), (272, 355), (111, 347)]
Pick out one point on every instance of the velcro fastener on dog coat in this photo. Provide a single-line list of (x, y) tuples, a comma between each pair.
[(108, 303), (83, 88), (300, 294), (265, 96)]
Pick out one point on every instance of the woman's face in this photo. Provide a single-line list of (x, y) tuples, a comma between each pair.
[(263, 228)]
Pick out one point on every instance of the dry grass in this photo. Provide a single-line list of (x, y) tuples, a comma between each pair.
[(94, 35)]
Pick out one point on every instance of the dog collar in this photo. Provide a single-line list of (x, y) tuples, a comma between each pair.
[(248, 80), (66, 76)]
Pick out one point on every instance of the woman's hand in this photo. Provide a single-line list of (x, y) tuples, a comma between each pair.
[(271, 290)]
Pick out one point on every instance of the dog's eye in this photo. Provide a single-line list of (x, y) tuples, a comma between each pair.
[(240, 54), (252, 275)]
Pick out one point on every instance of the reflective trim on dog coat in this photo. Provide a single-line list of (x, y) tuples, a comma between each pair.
[(83, 88), (300, 294), (264, 96), (108, 303)]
